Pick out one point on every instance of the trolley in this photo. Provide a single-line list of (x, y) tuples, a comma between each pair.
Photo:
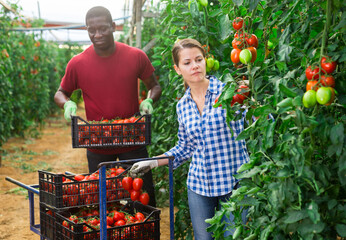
[(34, 189)]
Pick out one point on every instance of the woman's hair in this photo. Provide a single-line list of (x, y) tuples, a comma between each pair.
[(182, 44), (185, 43), (97, 12)]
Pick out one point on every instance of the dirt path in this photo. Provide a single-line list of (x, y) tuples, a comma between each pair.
[(23, 157)]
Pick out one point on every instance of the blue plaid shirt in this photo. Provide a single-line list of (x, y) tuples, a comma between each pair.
[(216, 155)]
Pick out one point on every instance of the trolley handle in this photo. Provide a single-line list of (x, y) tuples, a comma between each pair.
[(133, 160), (30, 188)]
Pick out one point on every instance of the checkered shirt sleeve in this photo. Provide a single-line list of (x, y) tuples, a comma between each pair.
[(207, 139)]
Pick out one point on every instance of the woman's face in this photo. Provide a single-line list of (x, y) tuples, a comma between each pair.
[(191, 65)]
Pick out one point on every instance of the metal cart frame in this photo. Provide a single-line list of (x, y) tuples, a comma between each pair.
[(33, 189)]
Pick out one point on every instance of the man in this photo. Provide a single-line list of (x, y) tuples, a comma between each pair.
[(107, 72)]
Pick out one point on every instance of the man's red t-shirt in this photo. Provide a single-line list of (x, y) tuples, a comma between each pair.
[(109, 84)]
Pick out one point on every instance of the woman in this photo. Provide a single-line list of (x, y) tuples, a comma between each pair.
[(204, 136)]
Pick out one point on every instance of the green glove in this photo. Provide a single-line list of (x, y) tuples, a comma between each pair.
[(70, 108), (146, 106)]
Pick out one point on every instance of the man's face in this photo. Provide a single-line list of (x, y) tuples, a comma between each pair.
[(101, 32)]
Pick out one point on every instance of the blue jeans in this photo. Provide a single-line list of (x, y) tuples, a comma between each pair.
[(202, 208)]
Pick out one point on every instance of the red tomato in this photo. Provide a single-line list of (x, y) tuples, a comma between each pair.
[(110, 221), (252, 41), (119, 171), (238, 23), (137, 184), (235, 55), (135, 195), (139, 216), (328, 65), (127, 183), (144, 198), (237, 43), (243, 92), (328, 81), (312, 85), (79, 177), (253, 51), (120, 223), (117, 216), (312, 73)]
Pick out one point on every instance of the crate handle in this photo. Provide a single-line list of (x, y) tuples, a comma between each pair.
[(27, 187)]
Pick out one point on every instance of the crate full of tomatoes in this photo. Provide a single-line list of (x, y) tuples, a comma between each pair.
[(134, 131), (133, 221), (65, 191)]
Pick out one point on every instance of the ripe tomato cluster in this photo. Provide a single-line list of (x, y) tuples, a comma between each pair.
[(89, 218), (244, 44), (321, 84), (134, 187), (112, 132), (84, 189), (243, 93)]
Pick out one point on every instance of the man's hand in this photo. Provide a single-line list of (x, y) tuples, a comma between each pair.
[(139, 168), (70, 108), (146, 106)]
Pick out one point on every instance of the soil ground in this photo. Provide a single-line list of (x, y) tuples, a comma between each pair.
[(21, 160)]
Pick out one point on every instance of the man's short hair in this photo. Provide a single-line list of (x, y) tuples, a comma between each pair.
[(97, 12)]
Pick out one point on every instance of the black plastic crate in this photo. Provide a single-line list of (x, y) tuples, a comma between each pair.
[(115, 134), (149, 229), (63, 191), (47, 222)]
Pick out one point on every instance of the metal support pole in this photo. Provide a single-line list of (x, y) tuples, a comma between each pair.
[(103, 204)]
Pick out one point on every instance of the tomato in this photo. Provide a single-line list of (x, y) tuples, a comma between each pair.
[(216, 100), (312, 85), (119, 171), (235, 55), (135, 195), (323, 95), (137, 184), (328, 65), (117, 216), (210, 63), (127, 183), (120, 223), (238, 23), (270, 45), (245, 56), (237, 43), (144, 198), (139, 216), (327, 81), (312, 73), (252, 41), (110, 221), (216, 65), (332, 97), (204, 3), (79, 177), (309, 99), (253, 51), (244, 91)]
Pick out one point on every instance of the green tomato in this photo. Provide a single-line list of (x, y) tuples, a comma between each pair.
[(216, 65), (323, 95), (309, 99), (245, 56), (204, 3), (270, 45), (210, 62)]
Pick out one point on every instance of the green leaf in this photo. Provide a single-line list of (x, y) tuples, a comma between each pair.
[(295, 216), (156, 63), (284, 52), (238, 2), (225, 27), (287, 91), (341, 229), (249, 173), (313, 212)]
